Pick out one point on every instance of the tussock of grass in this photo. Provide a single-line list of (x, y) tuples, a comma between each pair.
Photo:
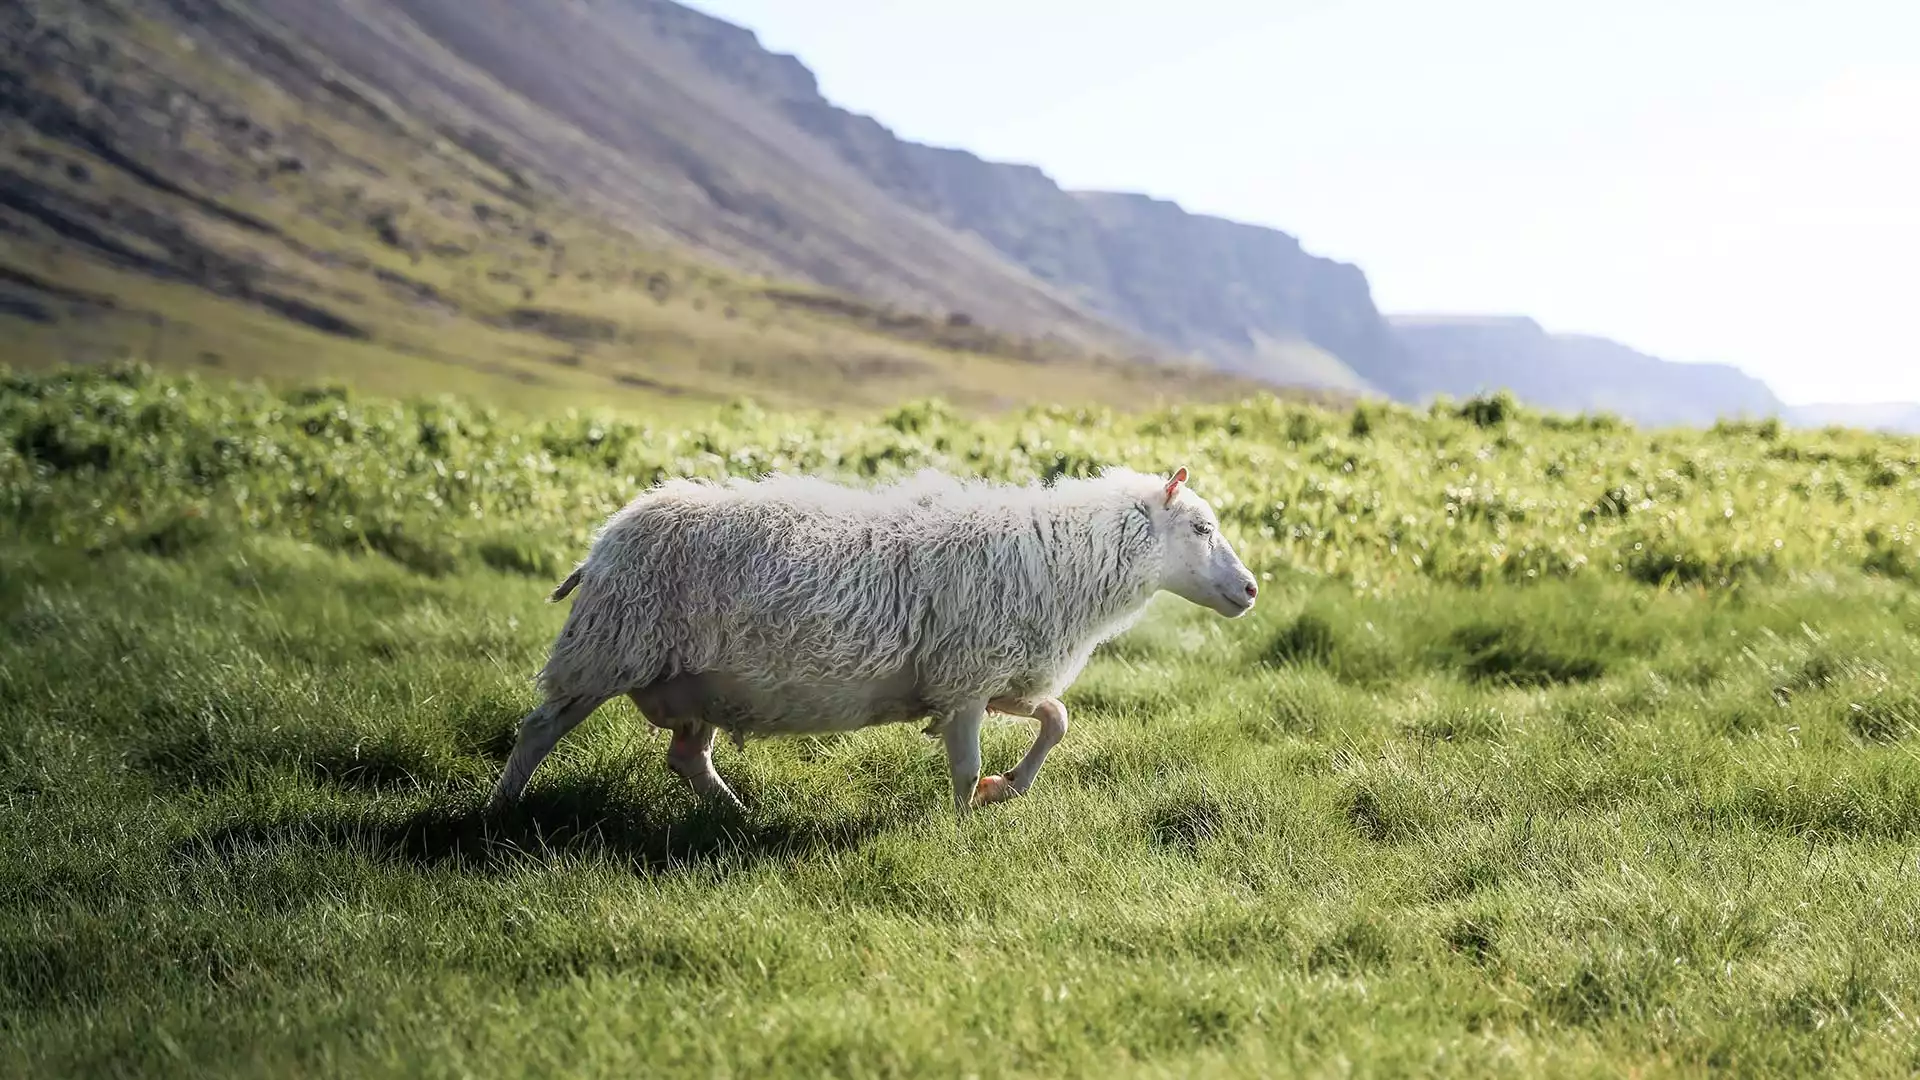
[(1409, 820)]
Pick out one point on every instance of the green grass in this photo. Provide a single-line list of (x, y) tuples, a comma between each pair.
[(1488, 813)]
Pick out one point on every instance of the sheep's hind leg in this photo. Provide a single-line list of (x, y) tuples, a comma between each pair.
[(540, 731), (691, 757), (1053, 727)]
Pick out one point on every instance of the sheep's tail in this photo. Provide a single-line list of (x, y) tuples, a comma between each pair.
[(567, 586)]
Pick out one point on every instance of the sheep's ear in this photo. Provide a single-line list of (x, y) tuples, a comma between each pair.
[(1173, 485)]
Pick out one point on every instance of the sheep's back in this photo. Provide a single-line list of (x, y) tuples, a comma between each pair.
[(796, 583), (771, 591)]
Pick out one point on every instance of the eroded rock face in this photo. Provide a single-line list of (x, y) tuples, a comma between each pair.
[(1190, 282)]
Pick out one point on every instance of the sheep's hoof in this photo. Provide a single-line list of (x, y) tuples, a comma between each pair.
[(993, 789)]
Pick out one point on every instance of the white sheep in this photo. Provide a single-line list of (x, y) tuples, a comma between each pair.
[(792, 605)]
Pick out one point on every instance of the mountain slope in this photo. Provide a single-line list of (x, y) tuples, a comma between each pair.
[(655, 126), (1463, 355), (733, 150), (334, 186), (628, 115), (628, 197)]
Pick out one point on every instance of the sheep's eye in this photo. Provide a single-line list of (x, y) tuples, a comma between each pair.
[(1201, 528)]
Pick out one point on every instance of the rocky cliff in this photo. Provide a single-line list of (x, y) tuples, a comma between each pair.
[(1245, 297)]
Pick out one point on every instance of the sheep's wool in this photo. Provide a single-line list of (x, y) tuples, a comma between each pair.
[(799, 596)]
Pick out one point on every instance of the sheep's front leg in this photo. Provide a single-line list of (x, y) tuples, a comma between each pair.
[(1053, 727), (690, 755), (961, 734)]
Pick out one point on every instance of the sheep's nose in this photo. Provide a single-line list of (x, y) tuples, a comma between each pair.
[(1252, 590)]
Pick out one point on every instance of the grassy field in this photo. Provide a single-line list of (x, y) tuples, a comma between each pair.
[(1554, 748)]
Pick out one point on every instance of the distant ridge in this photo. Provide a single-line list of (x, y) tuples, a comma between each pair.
[(1897, 417), (1460, 355)]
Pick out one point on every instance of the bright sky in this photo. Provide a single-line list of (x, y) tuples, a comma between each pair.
[(1701, 179)]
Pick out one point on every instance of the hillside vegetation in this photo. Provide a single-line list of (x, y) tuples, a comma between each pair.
[(1378, 496), (1554, 748)]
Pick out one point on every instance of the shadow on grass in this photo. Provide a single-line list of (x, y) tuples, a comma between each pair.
[(1509, 655), (599, 817), (380, 763), (182, 750), (1186, 822)]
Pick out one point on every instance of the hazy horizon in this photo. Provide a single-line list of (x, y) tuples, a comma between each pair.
[(1750, 195)]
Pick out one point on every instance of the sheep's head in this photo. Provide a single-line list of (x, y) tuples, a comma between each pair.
[(1200, 565)]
